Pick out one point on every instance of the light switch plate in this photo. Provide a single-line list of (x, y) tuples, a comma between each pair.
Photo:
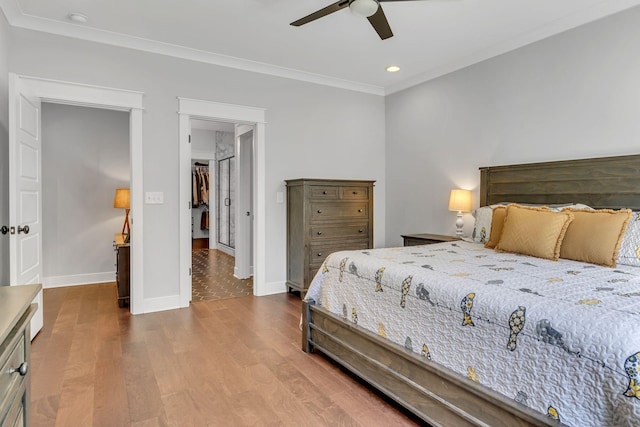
[(154, 197)]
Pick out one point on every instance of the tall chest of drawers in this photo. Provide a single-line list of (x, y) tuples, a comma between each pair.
[(325, 216)]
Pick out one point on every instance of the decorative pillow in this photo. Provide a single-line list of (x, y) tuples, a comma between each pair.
[(594, 236), (482, 226), (483, 216), (629, 253), (497, 223), (536, 232)]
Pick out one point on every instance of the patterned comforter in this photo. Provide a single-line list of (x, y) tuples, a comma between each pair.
[(560, 337)]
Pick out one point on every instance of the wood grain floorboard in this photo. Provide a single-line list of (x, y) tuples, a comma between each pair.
[(231, 362)]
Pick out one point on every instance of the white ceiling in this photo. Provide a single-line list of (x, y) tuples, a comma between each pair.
[(431, 38)]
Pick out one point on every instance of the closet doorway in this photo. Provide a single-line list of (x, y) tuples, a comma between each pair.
[(213, 212)]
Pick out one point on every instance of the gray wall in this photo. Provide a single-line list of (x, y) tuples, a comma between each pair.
[(313, 131), (570, 96), (4, 148), (85, 157)]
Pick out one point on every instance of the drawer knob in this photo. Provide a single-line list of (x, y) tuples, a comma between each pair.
[(324, 192), (355, 192), (319, 233), (319, 210), (360, 210), (22, 369), (319, 253), (361, 231)]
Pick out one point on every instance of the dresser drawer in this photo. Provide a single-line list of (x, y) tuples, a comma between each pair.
[(325, 192), (15, 359), (354, 193), (319, 252), (16, 414), (328, 231), (330, 211)]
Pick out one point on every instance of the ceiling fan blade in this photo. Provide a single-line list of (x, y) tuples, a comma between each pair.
[(380, 24), (322, 12)]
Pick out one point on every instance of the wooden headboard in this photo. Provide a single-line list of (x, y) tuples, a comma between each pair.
[(605, 182)]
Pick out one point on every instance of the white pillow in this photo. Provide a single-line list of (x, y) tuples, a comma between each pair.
[(482, 226), (629, 253)]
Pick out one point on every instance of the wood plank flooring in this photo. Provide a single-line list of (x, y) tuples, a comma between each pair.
[(232, 362)]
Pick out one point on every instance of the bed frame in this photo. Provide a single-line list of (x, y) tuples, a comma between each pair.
[(433, 393)]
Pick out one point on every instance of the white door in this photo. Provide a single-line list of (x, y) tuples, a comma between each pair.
[(25, 186), (245, 215)]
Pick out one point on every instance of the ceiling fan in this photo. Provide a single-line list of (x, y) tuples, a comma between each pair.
[(371, 9)]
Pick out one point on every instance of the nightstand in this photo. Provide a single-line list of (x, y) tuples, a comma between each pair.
[(427, 239)]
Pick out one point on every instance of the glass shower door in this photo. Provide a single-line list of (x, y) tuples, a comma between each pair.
[(226, 201)]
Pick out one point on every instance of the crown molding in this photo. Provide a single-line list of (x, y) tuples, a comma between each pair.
[(17, 18), (585, 16)]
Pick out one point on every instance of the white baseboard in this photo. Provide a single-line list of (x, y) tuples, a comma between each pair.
[(78, 279), (226, 249), (273, 288), (151, 305)]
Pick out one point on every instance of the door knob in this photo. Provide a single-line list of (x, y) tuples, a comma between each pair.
[(4, 229), (24, 229), (22, 369)]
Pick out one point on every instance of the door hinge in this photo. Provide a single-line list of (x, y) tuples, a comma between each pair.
[(189, 205), (189, 139), (189, 271)]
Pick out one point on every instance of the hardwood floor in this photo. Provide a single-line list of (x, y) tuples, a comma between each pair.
[(232, 362)]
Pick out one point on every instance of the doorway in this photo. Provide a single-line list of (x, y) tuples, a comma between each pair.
[(85, 158), (33, 91), (238, 115), (214, 178)]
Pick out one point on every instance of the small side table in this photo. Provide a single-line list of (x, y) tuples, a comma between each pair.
[(427, 239)]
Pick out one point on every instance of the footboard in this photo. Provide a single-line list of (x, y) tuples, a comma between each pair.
[(434, 394)]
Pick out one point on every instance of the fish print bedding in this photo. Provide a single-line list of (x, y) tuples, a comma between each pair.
[(560, 337)]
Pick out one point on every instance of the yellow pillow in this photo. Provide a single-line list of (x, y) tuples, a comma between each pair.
[(536, 232), (594, 236), (497, 222)]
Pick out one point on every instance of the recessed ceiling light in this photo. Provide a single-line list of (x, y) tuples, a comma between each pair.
[(393, 68), (78, 18)]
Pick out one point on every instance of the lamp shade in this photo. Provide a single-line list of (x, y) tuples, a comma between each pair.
[(121, 199), (460, 200)]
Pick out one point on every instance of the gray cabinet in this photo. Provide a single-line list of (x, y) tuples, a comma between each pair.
[(16, 311), (325, 216)]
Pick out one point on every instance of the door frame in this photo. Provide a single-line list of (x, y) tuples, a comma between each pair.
[(188, 109), (83, 95)]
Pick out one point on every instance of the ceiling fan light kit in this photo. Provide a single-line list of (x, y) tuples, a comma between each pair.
[(364, 8)]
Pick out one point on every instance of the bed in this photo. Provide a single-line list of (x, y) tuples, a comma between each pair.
[(480, 349)]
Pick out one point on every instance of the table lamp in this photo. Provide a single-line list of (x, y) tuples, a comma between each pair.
[(121, 201), (460, 201)]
